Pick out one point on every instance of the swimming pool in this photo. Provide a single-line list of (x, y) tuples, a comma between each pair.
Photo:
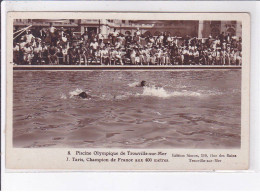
[(178, 109)]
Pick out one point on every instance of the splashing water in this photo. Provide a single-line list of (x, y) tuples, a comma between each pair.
[(154, 91), (162, 93), (75, 92), (134, 84), (63, 96)]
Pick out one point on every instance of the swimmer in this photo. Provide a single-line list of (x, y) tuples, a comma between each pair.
[(142, 84), (84, 95)]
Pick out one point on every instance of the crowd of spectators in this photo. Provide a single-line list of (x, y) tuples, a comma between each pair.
[(59, 46)]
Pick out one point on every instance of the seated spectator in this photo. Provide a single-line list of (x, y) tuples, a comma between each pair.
[(37, 51), (68, 47), (53, 58), (28, 53), (105, 57)]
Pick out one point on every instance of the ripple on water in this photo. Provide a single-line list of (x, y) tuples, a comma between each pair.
[(179, 109)]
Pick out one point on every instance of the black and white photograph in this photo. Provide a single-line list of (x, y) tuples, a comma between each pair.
[(130, 95), (189, 108), (128, 91)]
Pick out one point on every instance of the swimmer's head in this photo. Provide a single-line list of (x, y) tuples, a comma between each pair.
[(83, 95), (143, 83)]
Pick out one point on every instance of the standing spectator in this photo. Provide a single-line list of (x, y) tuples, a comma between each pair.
[(128, 40), (59, 54), (65, 55), (94, 47), (165, 39), (114, 36), (16, 53), (196, 56), (100, 36), (185, 53), (227, 56), (85, 37), (153, 55), (52, 36), (159, 40), (238, 58), (45, 54), (42, 34), (137, 36), (28, 36)]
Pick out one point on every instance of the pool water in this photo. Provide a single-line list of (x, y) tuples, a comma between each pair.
[(177, 109)]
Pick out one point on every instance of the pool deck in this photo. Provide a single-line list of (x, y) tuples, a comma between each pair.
[(120, 67)]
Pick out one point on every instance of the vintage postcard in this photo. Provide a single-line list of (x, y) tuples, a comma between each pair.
[(127, 91)]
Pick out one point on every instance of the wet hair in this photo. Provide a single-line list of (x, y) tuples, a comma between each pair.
[(143, 83), (83, 95)]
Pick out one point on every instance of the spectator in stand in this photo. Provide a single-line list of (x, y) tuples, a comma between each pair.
[(45, 54), (114, 36), (53, 58), (137, 36), (28, 36), (28, 53), (72, 52), (84, 37), (94, 48), (37, 50), (56, 45), (128, 40), (52, 35), (16, 50), (133, 56), (65, 55), (82, 52), (100, 36), (159, 40), (105, 56)]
